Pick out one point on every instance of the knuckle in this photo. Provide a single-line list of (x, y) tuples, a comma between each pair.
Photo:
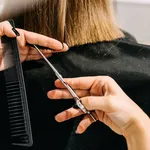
[(5, 23), (108, 78), (104, 79), (69, 114), (87, 103), (71, 82)]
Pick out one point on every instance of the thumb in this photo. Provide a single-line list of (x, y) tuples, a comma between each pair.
[(96, 103), (6, 29)]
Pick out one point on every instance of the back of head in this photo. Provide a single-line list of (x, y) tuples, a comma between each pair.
[(74, 22)]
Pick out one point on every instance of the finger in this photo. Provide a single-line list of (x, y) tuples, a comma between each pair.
[(103, 117), (97, 103), (98, 85), (6, 29), (38, 39), (83, 83), (68, 114), (33, 51), (64, 94), (37, 57), (84, 124)]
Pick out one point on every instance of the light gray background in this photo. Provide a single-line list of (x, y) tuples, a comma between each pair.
[(134, 17)]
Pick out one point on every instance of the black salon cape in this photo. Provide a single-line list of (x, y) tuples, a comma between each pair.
[(123, 59)]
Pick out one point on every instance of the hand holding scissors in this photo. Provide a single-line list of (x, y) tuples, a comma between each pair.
[(74, 95), (110, 105)]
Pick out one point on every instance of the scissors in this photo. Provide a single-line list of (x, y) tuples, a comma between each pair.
[(74, 95)]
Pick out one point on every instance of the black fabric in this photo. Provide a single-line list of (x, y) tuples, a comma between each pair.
[(124, 60)]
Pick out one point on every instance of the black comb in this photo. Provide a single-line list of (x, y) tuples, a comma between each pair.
[(19, 119)]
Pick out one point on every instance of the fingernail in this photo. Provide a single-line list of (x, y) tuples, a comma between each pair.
[(50, 94), (60, 49), (61, 117), (15, 31), (58, 119), (62, 46), (66, 45), (80, 129)]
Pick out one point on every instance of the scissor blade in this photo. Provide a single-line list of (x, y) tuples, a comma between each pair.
[(52, 67), (57, 74)]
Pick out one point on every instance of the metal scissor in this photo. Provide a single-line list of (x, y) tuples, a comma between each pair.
[(74, 95)]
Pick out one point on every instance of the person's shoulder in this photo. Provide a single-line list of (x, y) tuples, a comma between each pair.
[(128, 37), (127, 44)]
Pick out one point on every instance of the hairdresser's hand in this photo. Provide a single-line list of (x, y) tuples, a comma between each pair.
[(103, 96), (27, 52)]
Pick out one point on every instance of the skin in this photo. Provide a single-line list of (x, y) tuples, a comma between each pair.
[(110, 105), (27, 52), (100, 94)]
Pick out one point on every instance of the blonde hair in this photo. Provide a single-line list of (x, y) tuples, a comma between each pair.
[(75, 22)]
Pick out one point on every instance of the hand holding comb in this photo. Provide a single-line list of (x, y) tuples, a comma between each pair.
[(19, 118)]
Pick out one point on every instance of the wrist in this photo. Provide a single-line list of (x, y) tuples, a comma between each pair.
[(138, 134)]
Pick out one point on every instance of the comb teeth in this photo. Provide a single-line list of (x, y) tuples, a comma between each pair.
[(17, 116)]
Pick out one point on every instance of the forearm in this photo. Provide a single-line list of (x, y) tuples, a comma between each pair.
[(139, 142), (139, 136)]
